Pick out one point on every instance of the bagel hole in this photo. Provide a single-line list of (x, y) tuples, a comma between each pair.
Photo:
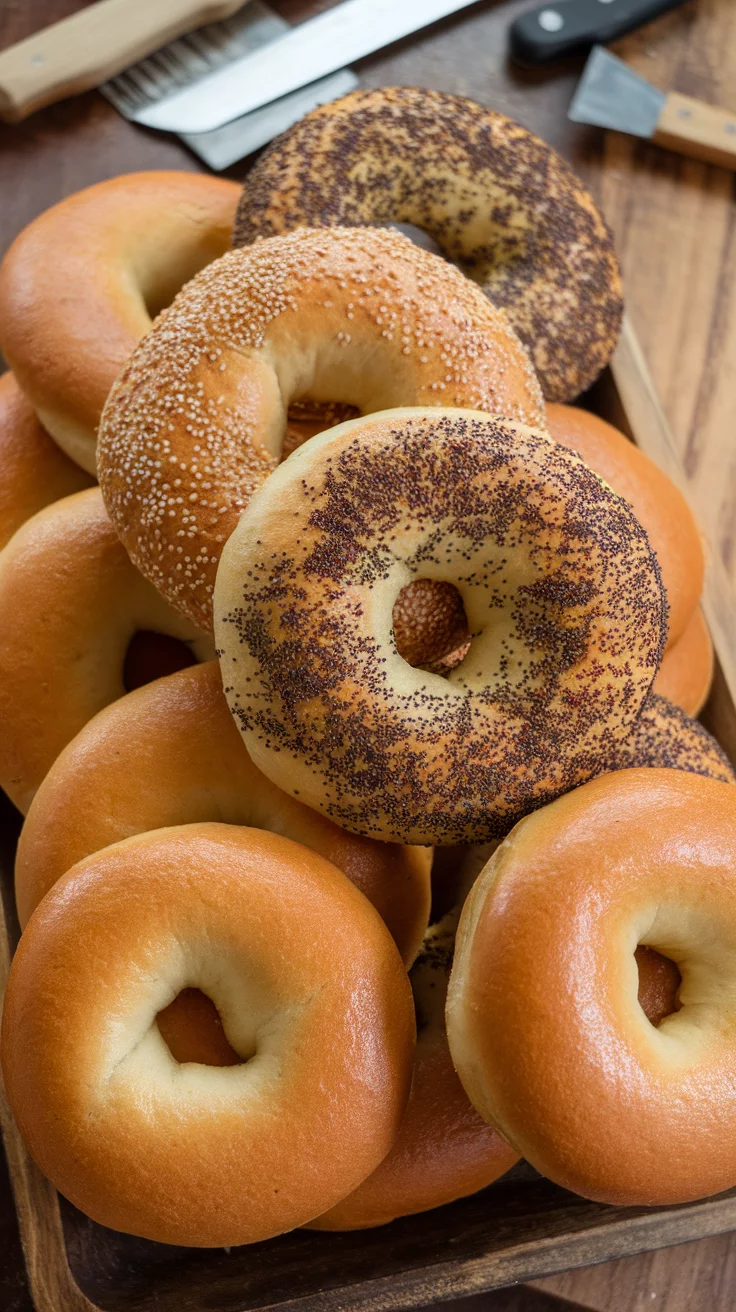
[(659, 983), (152, 656), (192, 1030), (430, 626), (419, 236), (306, 418)]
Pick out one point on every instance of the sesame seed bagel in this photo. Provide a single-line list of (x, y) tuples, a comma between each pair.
[(314, 1000), (665, 737), (70, 604), (543, 1019), (560, 587), (657, 503), (443, 1150), (35, 470), (686, 673), (81, 284), (197, 419), (170, 754), (497, 200)]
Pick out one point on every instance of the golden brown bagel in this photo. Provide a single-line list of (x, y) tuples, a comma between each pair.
[(665, 738), (543, 1019), (313, 997), (34, 470), (496, 199), (658, 505), (197, 419), (560, 587), (81, 284), (70, 604), (686, 672), (170, 754), (443, 1149)]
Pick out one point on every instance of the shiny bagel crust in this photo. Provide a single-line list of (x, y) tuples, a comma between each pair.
[(497, 200), (543, 1019), (80, 285), (686, 673), (657, 503), (313, 997), (170, 754), (35, 470), (70, 603), (197, 419), (560, 587), (444, 1150)]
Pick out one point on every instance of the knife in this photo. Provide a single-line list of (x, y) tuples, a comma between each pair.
[(347, 32), (79, 52), (612, 95), (567, 27)]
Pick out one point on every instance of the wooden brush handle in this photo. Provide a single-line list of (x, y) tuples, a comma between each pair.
[(101, 40), (694, 128)]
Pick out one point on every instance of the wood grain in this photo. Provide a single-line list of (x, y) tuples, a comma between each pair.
[(693, 128)]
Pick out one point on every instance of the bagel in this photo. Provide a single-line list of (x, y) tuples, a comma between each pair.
[(543, 1020), (81, 284), (560, 587), (313, 998), (71, 602), (170, 754), (197, 419), (665, 738), (498, 201), (686, 673), (657, 503), (35, 470), (443, 1149)]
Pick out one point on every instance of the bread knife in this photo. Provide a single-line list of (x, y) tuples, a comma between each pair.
[(346, 32)]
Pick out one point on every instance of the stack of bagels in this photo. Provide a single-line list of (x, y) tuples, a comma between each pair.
[(347, 684)]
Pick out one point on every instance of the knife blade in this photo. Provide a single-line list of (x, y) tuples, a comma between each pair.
[(566, 27), (612, 95), (328, 42)]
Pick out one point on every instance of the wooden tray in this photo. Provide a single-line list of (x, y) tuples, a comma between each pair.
[(520, 1228)]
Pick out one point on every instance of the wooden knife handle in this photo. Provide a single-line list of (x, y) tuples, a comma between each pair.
[(694, 128), (101, 40)]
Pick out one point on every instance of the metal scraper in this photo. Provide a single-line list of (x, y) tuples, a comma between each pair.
[(186, 61), (612, 95)]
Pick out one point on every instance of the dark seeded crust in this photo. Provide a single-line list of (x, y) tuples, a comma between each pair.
[(665, 738), (560, 586), (498, 201)]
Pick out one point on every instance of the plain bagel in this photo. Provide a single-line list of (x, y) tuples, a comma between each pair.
[(657, 503), (313, 997), (170, 754), (686, 673), (197, 419), (71, 604), (543, 1017), (82, 283), (443, 1150), (35, 470)]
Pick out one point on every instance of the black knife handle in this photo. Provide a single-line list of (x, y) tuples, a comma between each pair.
[(568, 27)]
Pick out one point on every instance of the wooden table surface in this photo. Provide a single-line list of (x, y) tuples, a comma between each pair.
[(675, 225)]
